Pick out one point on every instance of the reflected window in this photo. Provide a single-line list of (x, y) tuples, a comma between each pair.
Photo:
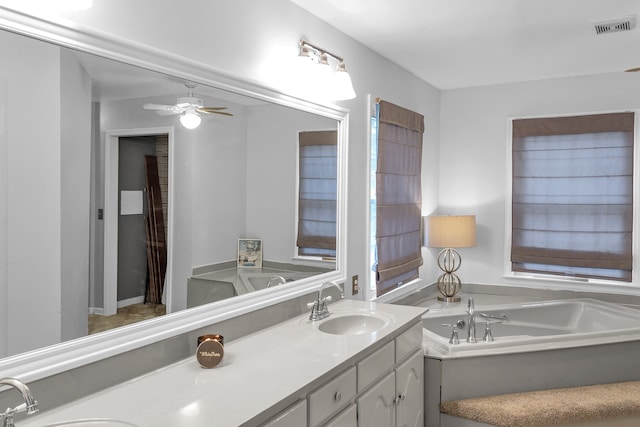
[(317, 193)]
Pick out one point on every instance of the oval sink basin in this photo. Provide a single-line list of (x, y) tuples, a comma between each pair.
[(353, 324), (92, 422)]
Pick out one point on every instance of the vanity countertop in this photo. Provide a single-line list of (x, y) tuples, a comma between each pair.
[(257, 372)]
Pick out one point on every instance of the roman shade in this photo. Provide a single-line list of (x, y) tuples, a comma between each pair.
[(572, 201), (317, 193), (398, 196)]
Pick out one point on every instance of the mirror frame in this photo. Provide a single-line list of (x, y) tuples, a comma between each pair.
[(51, 360)]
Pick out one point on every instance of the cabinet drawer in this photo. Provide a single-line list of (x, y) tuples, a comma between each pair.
[(346, 418), (408, 342), (332, 397), (294, 416), (375, 365)]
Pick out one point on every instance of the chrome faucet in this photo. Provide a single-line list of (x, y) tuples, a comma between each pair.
[(273, 279), (471, 321), (30, 405), (319, 308)]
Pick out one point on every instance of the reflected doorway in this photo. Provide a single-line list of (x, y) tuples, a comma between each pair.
[(129, 242)]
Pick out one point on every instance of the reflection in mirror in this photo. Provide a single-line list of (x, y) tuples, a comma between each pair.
[(84, 235)]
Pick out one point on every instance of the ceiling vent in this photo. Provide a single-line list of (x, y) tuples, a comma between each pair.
[(615, 25)]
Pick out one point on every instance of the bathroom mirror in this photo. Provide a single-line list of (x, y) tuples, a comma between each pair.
[(66, 116)]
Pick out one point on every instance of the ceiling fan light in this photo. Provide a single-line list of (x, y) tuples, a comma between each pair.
[(190, 119)]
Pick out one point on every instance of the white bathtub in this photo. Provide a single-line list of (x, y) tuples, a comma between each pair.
[(254, 281), (532, 326)]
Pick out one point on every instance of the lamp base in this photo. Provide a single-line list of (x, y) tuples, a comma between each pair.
[(449, 299), (449, 285)]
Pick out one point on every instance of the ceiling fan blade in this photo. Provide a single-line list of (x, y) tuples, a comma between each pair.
[(209, 110)]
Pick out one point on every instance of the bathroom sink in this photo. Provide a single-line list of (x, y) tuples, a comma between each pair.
[(92, 422), (353, 323)]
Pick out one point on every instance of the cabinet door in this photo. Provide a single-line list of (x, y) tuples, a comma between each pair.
[(294, 416), (376, 406), (410, 392), (346, 418)]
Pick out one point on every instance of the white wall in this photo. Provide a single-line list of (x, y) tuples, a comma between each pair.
[(474, 154), (75, 118), (219, 182), (32, 205)]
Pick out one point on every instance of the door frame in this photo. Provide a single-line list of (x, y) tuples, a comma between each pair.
[(111, 164)]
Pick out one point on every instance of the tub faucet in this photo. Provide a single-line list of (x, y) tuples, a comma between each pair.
[(471, 321), (274, 279), (319, 308), (30, 405)]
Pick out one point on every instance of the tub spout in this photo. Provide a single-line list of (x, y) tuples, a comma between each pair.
[(272, 281), (471, 321)]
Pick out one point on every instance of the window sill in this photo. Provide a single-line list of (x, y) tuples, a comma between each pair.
[(314, 262), (541, 281)]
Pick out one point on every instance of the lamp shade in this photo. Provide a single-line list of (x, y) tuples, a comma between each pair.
[(449, 231)]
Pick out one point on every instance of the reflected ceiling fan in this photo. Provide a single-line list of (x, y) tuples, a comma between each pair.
[(188, 108)]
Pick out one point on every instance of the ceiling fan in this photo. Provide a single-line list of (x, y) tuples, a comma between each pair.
[(188, 108)]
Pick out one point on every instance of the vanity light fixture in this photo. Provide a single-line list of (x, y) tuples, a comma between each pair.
[(314, 61), (190, 119), (449, 232)]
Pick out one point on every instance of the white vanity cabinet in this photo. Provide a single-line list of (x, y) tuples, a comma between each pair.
[(397, 399)]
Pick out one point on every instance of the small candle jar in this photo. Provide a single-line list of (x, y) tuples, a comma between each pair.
[(210, 350)]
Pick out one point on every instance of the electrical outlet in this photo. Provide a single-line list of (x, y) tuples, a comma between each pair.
[(354, 285)]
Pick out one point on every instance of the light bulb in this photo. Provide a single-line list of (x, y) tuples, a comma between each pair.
[(323, 73), (190, 119), (342, 85)]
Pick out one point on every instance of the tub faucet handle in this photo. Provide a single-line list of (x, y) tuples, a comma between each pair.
[(488, 336), (455, 339)]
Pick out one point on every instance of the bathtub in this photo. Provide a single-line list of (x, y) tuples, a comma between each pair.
[(254, 281), (532, 326)]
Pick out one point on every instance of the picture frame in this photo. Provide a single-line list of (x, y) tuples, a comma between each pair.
[(249, 253)]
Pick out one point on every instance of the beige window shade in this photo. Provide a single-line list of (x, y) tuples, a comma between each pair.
[(398, 196), (317, 193), (572, 201)]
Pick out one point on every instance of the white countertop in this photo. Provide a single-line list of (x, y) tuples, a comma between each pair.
[(257, 372)]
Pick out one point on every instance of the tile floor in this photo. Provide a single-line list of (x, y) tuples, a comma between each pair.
[(125, 316)]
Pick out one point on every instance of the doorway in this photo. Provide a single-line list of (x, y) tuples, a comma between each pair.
[(126, 247)]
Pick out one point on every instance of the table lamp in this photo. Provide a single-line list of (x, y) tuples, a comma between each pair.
[(449, 232)]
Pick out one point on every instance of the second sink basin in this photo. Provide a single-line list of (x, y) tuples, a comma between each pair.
[(353, 323)]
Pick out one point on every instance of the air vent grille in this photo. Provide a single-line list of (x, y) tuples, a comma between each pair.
[(615, 25)]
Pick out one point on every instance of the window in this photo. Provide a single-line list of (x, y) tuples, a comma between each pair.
[(396, 196), (572, 196), (317, 193)]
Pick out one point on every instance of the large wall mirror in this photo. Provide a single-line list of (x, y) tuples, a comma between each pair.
[(74, 202)]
